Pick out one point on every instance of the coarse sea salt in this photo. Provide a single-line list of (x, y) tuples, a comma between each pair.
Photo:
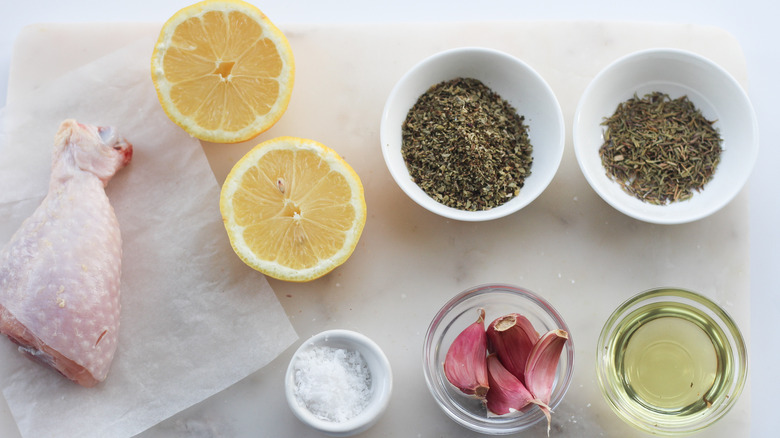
[(334, 384)]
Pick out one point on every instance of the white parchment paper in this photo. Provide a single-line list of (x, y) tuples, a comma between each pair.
[(195, 319)]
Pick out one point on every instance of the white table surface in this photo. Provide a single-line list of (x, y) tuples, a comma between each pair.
[(752, 22)]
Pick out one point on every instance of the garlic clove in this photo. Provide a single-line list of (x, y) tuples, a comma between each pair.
[(543, 362), (512, 338), (507, 393), (465, 364)]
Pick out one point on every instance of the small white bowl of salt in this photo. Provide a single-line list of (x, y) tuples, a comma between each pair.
[(339, 382)]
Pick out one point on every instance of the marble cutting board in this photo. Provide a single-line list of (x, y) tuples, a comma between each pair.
[(568, 245)]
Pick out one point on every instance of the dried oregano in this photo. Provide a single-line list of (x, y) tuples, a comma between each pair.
[(465, 146)]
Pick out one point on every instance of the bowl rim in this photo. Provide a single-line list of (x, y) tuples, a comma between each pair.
[(401, 176), (474, 292), (689, 298), (381, 375), (662, 217)]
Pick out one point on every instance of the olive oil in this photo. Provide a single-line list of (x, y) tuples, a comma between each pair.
[(670, 359), (669, 362)]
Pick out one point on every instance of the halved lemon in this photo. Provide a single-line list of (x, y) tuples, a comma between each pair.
[(222, 70), (293, 209)]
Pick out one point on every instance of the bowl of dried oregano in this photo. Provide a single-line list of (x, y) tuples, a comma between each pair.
[(472, 134)]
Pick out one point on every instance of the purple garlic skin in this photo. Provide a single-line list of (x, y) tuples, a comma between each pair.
[(543, 362), (507, 393), (465, 364), (511, 338)]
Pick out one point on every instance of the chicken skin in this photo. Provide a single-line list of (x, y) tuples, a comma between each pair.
[(60, 272)]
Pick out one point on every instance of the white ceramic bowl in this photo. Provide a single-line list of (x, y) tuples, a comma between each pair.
[(510, 78), (381, 382), (674, 72)]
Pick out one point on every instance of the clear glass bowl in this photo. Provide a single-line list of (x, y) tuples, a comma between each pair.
[(462, 310), (615, 376)]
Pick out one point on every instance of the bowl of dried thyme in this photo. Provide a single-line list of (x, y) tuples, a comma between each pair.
[(665, 136), (472, 134)]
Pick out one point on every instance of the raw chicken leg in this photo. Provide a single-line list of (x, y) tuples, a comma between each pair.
[(59, 274)]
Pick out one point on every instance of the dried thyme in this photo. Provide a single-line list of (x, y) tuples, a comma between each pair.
[(465, 146), (660, 149)]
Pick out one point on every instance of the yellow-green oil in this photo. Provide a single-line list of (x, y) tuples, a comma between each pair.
[(670, 360)]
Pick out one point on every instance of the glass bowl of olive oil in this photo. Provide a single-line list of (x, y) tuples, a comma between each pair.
[(671, 361)]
